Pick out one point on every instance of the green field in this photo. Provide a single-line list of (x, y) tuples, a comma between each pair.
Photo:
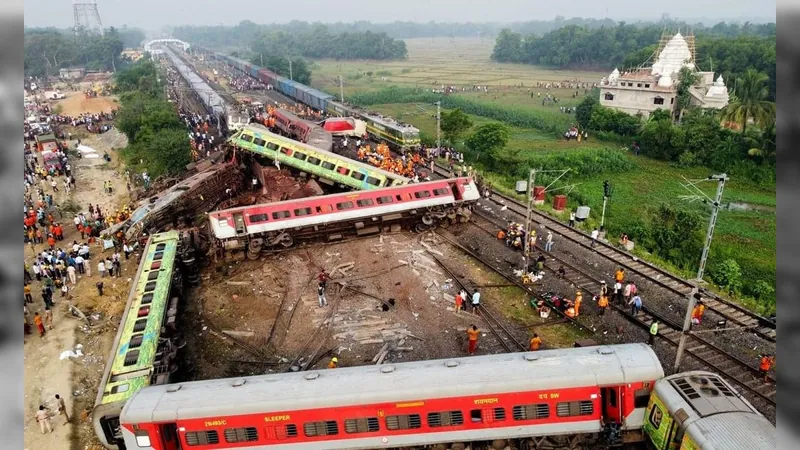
[(747, 236)]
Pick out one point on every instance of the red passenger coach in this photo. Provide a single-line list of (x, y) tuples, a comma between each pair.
[(548, 393), (424, 204)]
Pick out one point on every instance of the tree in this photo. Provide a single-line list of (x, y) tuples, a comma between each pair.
[(750, 101), (454, 124), (163, 152), (584, 110), (488, 140), (686, 79), (675, 235), (508, 47)]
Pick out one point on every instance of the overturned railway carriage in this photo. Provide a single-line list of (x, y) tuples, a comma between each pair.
[(417, 206), (329, 167), (701, 411), (553, 393), (302, 130), (143, 352)]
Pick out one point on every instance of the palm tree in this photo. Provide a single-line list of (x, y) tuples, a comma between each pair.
[(750, 101)]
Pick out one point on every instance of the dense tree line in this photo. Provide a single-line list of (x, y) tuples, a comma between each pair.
[(230, 36), (48, 49), (297, 39), (157, 140)]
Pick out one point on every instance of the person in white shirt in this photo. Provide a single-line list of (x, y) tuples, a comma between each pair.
[(595, 234), (101, 267), (476, 301)]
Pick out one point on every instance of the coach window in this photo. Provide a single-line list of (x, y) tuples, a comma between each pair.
[(143, 311), (300, 156), (403, 422), (498, 414), (209, 437), (576, 408), (373, 181), (259, 142), (475, 416), (139, 325), (272, 146), (364, 202), (321, 428), (530, 412), (136, 341), (422, 194), (384, 200), (357, 175), (258, 218), (147, 298), (328, 166), (343, 170), (131, 357), (281, 215), (285, 431), (445, 419), (344, 205), (245, 434), (314, 161), (441, 191), (641, 397), (156, 265), (302, 212), (246, 138), (152, 275), (367, 425), (286, 151)]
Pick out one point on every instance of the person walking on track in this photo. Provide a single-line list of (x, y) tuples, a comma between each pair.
[(472, 333)]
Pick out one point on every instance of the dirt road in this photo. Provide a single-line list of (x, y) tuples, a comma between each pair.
[(75, 379)]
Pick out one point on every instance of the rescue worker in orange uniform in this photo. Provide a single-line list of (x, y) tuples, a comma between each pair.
[(459, 303), (334, 363), (578, 301), (602, 303), (767, 361), (501, 235), (619, 275)]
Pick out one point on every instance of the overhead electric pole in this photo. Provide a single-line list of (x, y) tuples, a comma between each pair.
[(525, 249), (438, 124), (341, 89), (720, 179), (290, 68), (687, 326)]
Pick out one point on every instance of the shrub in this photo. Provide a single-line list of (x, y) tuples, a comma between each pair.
[(728, 275), (762, 290), (383, 73), (687, 159)]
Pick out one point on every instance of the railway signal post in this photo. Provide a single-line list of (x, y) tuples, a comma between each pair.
[(606, 195)]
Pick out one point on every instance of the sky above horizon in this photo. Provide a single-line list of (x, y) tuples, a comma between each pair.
[(152, 15)]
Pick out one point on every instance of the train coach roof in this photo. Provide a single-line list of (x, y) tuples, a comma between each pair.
[(738, 430), (479, 375)]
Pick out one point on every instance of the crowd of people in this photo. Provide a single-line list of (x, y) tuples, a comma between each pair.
[(405, 165)]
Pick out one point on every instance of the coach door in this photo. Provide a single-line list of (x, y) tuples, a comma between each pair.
[(238, 222), (169, 437), (612, 404)]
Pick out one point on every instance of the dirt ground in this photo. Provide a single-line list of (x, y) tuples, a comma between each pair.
[(253, 317), (76, 379), (76, 103)]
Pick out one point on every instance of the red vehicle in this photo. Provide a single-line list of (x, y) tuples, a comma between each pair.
[(345, 126), (564, 392), (302, 130)]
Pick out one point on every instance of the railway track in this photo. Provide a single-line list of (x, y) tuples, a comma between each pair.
[(506, 338), (735, 314), (731, 366)]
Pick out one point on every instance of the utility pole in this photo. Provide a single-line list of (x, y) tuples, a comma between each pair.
[(525, 250), (438, 124), (687, 325), (290, 68), (262, 59), (720, 179), (606, 195), (341, 89)]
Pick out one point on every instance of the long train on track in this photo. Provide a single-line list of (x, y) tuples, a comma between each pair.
[(417, 205), (588, 397), (398, 135), (144, 348), (329, 167)]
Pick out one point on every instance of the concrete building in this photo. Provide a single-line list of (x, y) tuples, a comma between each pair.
[(646, 89)]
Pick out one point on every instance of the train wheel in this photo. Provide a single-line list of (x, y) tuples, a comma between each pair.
[(457, 446), (427, 220), (420, 227), (287, 241)]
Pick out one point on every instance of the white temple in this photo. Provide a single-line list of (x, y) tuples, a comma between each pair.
[(650, 88)]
